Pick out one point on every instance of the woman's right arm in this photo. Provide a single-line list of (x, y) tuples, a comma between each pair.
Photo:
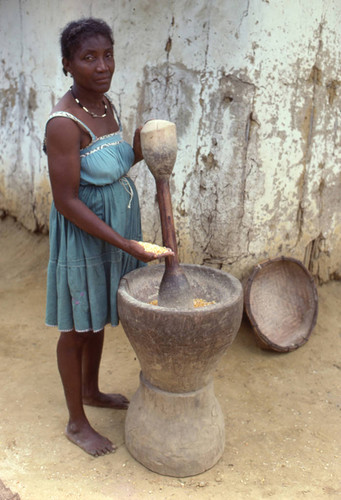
[(63, 145)]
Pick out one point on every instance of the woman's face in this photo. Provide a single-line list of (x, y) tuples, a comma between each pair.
[(92, 65)]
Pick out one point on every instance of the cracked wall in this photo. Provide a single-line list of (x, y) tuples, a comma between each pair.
[(254, 90)]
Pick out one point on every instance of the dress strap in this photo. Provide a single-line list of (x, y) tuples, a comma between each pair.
[(65, 114), (116, 115)]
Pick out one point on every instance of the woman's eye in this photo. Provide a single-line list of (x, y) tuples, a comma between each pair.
[(89, 57)]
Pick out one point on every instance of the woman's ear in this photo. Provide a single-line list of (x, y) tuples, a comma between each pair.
[(66, 66)]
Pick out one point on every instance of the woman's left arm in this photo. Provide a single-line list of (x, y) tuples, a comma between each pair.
[(137, 146)]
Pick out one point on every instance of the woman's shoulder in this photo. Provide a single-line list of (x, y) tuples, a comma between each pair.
[(62, 125), (60, 129)]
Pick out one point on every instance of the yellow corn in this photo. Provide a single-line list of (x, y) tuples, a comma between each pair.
[(196, 302), (202, 303), (152, 248)]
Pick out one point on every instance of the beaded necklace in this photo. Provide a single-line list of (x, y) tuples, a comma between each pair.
[(86, 109)]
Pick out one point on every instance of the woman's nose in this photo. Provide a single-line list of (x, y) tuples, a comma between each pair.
[(102, 64)]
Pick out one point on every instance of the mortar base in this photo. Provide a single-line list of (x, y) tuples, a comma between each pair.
[(175, 434)]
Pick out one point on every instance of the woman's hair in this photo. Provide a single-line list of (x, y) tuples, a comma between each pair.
[(75, 32)]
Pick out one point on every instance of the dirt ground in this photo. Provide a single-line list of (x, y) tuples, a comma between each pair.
[(282, 411)]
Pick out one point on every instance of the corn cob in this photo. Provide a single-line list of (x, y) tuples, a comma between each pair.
[(152, 248)]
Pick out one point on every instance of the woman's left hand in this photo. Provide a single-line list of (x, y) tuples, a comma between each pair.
[(136, 250), (137, 145)]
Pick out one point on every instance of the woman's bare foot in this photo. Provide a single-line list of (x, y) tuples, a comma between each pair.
[(89, 440), (116, 401)]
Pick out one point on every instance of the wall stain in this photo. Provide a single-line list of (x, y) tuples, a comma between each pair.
[(8, 96), (32, 101), (167, 93), (168, 47), (332, 88), (312, 256), (209, 161)]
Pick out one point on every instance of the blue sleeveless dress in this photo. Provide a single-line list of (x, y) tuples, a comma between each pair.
[(83, 271)]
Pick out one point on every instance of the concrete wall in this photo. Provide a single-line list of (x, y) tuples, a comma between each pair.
[(254, 89)]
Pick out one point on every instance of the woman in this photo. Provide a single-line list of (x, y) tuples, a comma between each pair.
[(94, 222)]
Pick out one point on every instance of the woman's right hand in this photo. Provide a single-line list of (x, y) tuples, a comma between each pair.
[(137, 251)]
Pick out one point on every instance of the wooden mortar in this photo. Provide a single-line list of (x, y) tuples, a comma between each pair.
[(159, 147)]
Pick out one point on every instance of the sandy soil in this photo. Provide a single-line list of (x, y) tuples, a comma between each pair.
[(282, 411)]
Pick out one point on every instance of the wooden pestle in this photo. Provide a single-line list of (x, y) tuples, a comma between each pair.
[(159, 147)]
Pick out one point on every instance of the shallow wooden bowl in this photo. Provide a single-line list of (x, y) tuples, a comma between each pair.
[(281, 302)]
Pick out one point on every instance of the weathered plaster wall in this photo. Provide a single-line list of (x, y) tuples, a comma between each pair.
[(254, 89)]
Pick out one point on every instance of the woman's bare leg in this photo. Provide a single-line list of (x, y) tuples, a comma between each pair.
[(69, 355), (92, 353)]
